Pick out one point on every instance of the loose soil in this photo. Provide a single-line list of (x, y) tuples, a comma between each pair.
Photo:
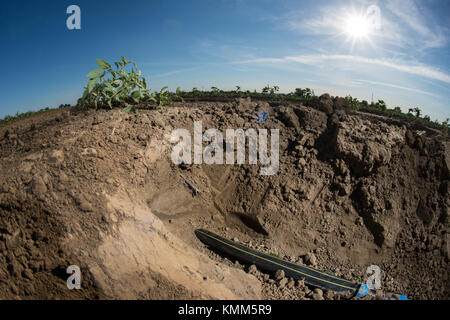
[(98, 189)]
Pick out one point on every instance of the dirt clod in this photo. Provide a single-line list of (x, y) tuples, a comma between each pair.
[(279, 275)]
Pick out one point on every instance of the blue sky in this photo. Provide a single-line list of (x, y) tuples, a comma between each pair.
[(403, 58)]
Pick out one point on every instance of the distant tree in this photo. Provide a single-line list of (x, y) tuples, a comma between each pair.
[(354, 103), (397, 110), (418, 112), (274, 89), (446, 122), (306, 93), (381, 105), (298, 92), (195, 91)]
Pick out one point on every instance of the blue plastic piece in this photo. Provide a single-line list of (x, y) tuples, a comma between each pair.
[(363, 290), (262, 116)]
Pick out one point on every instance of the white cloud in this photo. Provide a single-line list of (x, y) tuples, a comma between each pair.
[(173, 72), (391, 85), (411, 68), (414, 18)]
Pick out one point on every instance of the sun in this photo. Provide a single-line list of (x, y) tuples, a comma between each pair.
[(360, 27), (357, 26)]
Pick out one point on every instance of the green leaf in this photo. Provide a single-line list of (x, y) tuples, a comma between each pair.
[(127, 109), (136, 95), (85, 94), (110, 88), (103, 64), (94, 73), (91, 85), (125, 61)]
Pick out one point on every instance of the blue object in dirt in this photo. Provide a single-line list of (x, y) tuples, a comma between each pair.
[(363, 290), (262, 116)]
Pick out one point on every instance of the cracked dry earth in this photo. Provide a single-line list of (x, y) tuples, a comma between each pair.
[(98, 189)]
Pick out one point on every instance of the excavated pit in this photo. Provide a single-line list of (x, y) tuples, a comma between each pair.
[(98, 189)]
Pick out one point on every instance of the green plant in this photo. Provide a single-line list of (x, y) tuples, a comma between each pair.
[(397, 110), (165, 97), (446, 122), (306, 93), (196, 92), (274, 89), (354, 103), (238, 91), (418, 112), (270, 90), (381, 105), (445, 125), (179, 94), (108, 87), (364, 104)]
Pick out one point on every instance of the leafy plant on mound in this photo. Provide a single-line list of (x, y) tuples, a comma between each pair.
[(110, 87), (124, 85)]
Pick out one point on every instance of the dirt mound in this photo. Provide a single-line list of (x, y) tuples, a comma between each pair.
[(98, 189)]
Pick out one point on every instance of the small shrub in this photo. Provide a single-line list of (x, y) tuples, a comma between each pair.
[(306, 93), (109, 87)]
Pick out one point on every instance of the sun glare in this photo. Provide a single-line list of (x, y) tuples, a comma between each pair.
[(357, 27)]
